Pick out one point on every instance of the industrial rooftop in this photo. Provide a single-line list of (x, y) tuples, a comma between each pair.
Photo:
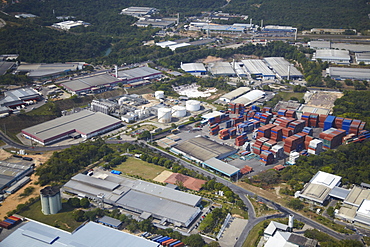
[(280, 66), (86, 83), (86, 123), (348, 73), (35, 234)]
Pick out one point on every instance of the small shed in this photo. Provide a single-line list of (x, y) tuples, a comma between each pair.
[(109, 221)]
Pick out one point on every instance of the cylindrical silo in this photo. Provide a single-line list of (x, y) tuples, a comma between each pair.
[(159, 94), (51, 201), (178, 111), (192, 105), (164, 115)]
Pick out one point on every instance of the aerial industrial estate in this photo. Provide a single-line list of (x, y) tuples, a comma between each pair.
[(231, 134)]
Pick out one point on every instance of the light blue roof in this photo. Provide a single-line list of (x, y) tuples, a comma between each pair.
[(35, 234)]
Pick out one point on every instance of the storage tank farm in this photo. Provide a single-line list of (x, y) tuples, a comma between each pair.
[(51, 201), (192, 105), (178, 111), (164, 115)]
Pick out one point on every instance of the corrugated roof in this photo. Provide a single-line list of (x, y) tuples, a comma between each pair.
[(235, 93), (329, 54), (193, 67), (222, 68), (221, 166), (35, 234), (140, 72), (83, 83), (257, 67), (84, 122), (280, 66), (349, 73), (339, 192)]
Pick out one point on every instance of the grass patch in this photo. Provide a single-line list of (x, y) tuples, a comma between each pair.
[(133, 166), (287, 95), (255, 234), (63, 220), (240, 212), (140, 90), (261, 209), (367, 240)]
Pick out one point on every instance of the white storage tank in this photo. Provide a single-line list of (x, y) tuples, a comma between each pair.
[(178, 111), (159, 94), (164, 115), (192, 105)]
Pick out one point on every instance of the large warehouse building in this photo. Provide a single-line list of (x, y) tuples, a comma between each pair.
[(208, 153), (196, 69), (47, 71), (166, 204), (138, 74), (228, 97), (256, 67), (36, 234), (85, 123), (283, 69), (250, 97), (19, 97), (91, 84), (332, 56), (221, 69), (340, 73)]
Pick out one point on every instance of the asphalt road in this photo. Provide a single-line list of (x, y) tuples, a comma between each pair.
[(252, 221)]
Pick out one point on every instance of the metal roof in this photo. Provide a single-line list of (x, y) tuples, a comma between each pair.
[(83, 83), (273, 226), (330, 54), (221, 68), (203, 149), (221, 166), (250, 97), (257, 67), (235, 93), (18, 95), (174, 47), (109, 221), (348, 73), (317, 44), (139, 72), (224, 28), (351, 47), (158, 206), (165, 44), (357, 195), (327, 179), (5, 66), (280, 66), (100, 183), (339, 192), (35, 234), (193, 67), (85, 122), (315, 192)]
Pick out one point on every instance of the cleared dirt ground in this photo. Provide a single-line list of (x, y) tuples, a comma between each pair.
[(11, 202)]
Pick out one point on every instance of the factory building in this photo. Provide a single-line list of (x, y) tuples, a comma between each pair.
[(340, 73), (319, 187), (19, 97), (283, 69), (166, 204), (228, 97), (196, 69), (332, 56), (11, 173), (91, 84), (330, 31), (208, 153), (223, 28), (35, 234), (67, 25), (162, 23), (319, 44), (102, 106), (5, 66), (51, 201), (138, 74), (221, 69), (257, 68), (139, 11), (362, 57), (250, 97), (47, 71), (84, 123)]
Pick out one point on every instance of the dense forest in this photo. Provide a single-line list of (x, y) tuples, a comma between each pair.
[(353, 104), (349, 161), (305, 15)]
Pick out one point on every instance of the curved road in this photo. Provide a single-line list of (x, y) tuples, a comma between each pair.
[(252, 220)]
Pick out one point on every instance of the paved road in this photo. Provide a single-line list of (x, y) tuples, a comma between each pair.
[(238, 190), (252, 221)]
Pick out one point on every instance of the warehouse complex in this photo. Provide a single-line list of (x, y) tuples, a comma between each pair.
[(228, 97), (221, 69), (19, 97), (138, 74), (84, 123), (90, 84), (340, 73), (250, 97), (35, 234), (196, 69), (166, 204), (319, 187), (45, 71), (11, 173)]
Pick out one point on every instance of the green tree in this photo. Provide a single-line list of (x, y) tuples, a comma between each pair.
[(295, 204), (84, 202), (194, 240), (330, 211), (79, 215), (74, 202)]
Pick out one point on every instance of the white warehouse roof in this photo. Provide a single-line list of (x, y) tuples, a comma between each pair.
[(234, 94), (257, 67), (280, 66), (193, 67), (348, 73), (250, 97), (330, 55), (35, 234)]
